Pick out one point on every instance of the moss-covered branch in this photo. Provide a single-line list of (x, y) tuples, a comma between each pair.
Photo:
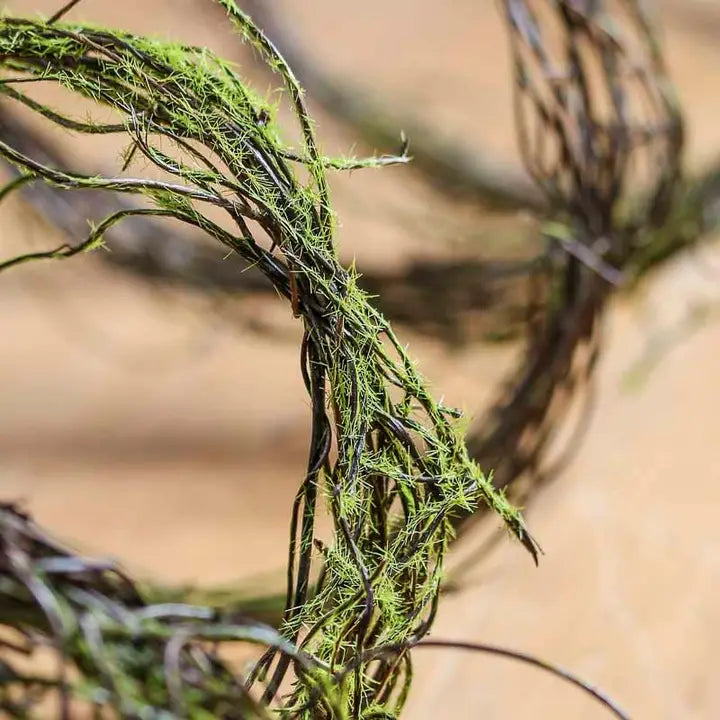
[(385, 458)]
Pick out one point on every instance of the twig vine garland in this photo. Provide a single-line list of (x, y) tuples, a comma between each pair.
[(385, 458)]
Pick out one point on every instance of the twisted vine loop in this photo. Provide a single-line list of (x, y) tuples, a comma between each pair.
[(601, 133), (385, 458)]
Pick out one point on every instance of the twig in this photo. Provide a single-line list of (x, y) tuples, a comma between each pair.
[(447, 165)]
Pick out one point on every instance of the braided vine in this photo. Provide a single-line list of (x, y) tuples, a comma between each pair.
[(385, 459)]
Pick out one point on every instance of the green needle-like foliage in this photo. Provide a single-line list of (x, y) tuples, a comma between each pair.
[(385, 459)]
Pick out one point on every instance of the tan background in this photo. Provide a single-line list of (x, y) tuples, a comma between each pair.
[(140, 423)]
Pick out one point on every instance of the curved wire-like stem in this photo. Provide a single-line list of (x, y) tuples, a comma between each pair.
[(534, 661), (399, 651)]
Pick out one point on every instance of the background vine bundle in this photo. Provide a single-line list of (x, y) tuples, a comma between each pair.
[(385, 458), (601, 134)]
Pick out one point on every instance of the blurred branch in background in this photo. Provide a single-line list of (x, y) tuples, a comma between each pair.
[(58, 605), (597, 122), (450, 167), (484, 293)]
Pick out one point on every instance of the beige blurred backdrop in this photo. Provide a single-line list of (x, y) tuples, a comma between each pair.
[(143, 423)]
